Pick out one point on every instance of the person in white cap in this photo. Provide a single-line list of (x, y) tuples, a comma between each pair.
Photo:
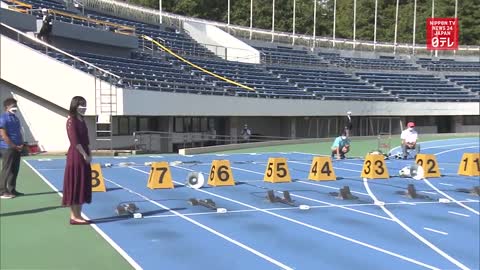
[(409, 139)]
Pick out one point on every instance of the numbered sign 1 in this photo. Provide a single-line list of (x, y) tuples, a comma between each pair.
[(221, 174), (429, 164), (322, 169), (470, 164), (98, 183), (277, 171), (160, 176), (374, 167)]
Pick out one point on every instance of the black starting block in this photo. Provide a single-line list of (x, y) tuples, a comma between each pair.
[(411, 192), (345, 194), (287, 199), (208, 203), (128, 209), (473, 191)]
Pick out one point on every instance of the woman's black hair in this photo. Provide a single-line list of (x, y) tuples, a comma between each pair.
[(75, 103)]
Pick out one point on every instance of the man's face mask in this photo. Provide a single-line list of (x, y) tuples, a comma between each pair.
[(344, 137), (13, 109), (410, 128), (81, 110)]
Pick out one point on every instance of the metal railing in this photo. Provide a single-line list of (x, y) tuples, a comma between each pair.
[(153, 16)]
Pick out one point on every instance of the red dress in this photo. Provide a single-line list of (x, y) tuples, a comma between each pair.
[(77, 182)]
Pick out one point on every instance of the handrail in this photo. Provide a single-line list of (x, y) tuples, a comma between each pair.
[(58, 50), (152, 16), (82, 18), (19, 3)]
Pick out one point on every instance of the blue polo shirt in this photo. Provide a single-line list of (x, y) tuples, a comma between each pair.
[(10, 123)]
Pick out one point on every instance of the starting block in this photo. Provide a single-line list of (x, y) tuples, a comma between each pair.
[(128, 209), (411, 192), (345, 194), (208, 203), (287, 199), (473, 191)]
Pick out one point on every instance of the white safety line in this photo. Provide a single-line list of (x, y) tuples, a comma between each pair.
[(458, 214), (445, 184), (428, 192), (309, 225), (411, 231), (109, 240), (436, 231), (409, 203), (451, 198), (205, 227)]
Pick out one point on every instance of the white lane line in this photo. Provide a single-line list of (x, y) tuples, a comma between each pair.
[(308, 225), (109, 240), (455, 149), (330, 187), (205, 227), (428, 192), (471, 200), (433, 147), (409, 203), (314, 200), (437, 231), (458, 214), (445, 184), (450, 198), (411, 231)]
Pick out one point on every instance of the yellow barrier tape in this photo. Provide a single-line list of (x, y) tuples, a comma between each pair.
[(195, 66)]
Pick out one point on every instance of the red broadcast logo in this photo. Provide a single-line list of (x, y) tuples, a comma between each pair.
[(442, 33)]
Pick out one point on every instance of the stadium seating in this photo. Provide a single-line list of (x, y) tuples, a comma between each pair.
[(285, 72), (418, 87), (449, 65), (471, 82)]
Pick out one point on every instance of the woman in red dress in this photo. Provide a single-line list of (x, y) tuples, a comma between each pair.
[(77, 183)]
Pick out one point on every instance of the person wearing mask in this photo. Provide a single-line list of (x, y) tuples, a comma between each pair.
[(246, 133), (11, 146), (47, 24), (77, 181), (341, 146), (409, 139)]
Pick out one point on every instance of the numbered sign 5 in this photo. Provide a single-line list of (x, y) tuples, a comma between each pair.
[(429, 164), (470, 164), (322, 169), (220, 174), (160, 176), (98, 183), (374, 167), (277, 171)]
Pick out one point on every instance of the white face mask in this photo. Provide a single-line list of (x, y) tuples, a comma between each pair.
[(410, 129), (344, 137), (81, 110), (13, 110)]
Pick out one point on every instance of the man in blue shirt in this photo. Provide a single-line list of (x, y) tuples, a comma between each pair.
[(341, 146), (11, 145)]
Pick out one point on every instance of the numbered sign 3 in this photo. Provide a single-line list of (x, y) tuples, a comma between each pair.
[(160, 176), (429, 164), (322, 169), (221, 174), (98, 183), (470, 164), (374, 167), (277, 171)]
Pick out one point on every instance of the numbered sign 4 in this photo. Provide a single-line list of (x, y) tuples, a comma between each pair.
[(277, 171), (160, 176), (470, 164), (429, 164), (322, 169), (221, 174), (98, 183), (374, 167)]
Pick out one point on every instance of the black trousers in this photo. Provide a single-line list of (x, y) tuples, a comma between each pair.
[(10, 168)]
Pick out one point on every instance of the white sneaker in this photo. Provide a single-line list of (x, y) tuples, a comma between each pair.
[(7, 196)]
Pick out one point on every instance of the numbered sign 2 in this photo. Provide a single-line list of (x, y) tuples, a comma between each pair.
[(160, 176), (374, 167), (98, 183), (429, 164), (322, 169), (277, 171), (220, 174), (470, 164)]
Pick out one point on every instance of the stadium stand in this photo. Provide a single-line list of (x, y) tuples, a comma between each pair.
[(471, 82), (449, 65)]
